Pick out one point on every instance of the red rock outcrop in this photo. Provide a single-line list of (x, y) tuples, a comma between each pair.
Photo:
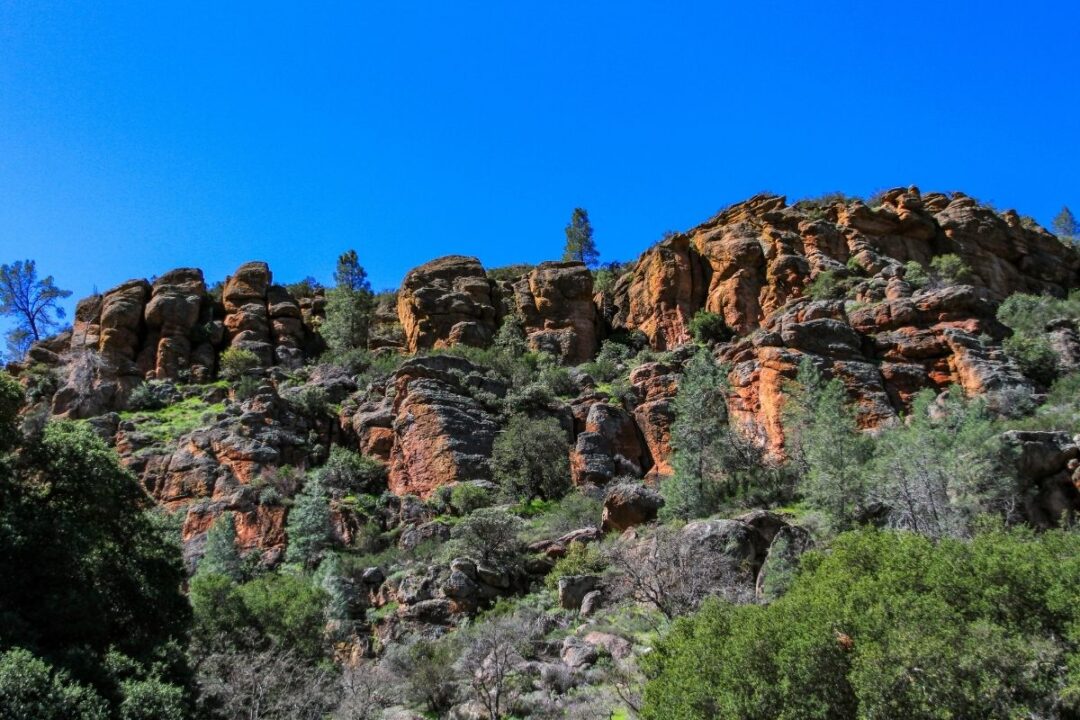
[(428, 425), (447, 302), (555, 303)]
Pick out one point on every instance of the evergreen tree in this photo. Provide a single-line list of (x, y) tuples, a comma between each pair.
[(824, 442), (221, 556), (579, 240), (1065, 225), (349, 305), (712, 461), (308, 528), (33, 303)]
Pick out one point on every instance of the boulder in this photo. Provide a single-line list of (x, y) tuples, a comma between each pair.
[(574, 588), (627, 505), (555, 302), (446, 302)]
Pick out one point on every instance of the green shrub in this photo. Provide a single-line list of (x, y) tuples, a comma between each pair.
[(1034, 355), (144, 397), (709, 327), (465, 498), (915, 275), (490, 536), (234, 362), (348, 472), (888, 625), (31, 689), (951, 268), (530, 458), (574, 511), (246, 387), (580, 559), (310, 401), (828, 285)]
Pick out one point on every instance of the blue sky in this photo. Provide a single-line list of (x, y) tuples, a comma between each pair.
[(137, 137)]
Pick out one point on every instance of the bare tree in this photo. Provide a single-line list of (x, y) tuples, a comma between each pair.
[(674, 576), (365, 690), (265, 685), (493, 653)]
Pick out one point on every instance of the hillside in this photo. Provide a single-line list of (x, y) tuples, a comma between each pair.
[(420, 481)]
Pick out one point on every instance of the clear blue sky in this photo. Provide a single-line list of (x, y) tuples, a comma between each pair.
[(140, 136)]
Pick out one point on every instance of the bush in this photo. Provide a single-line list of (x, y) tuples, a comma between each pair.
[(310, 401), (246, 387), (234, 362), (530, 458), (31, 689), (465, 498), (1034, 355), (828, 285), (709, 327), (888, 625), (347, 472), (951, 268), (915, 275), (490, 536), (150, 396), (580, 559), (574, 511)]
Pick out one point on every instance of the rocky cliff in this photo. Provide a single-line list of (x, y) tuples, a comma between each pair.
[(846, 284)]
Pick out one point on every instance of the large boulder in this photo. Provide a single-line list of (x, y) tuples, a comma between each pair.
[(627, 505), (446, 302), (555, 301)]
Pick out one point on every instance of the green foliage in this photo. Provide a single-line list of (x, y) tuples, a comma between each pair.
[(574, 511), (888, 625), (347, 472), (11, 400), (147, 397), (170, 422), (916, 275), (709, 327), (951, 268), (1034, 355), (221, 556), (713, 462), (579, 239), (30, 689), (465, 498), (828, 285), (816, 207), (234, 362), (33, 305), (348, 306), (310, 401), (277, 610), (304, 288), (823, 439), (308, 526), (608, 274), (152, 699), (82, 560), (1028, 317), (491, 536), (529, 458), (580, 559)]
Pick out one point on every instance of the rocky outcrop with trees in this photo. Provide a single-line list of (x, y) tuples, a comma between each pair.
[(490, 492)]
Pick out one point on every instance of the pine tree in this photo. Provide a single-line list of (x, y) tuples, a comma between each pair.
[(1065, 225), (308, 528), (221, 556), (579, 240), (348, 306)]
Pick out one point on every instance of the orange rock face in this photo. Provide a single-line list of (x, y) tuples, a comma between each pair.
[(447, 302), (555, 301)]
